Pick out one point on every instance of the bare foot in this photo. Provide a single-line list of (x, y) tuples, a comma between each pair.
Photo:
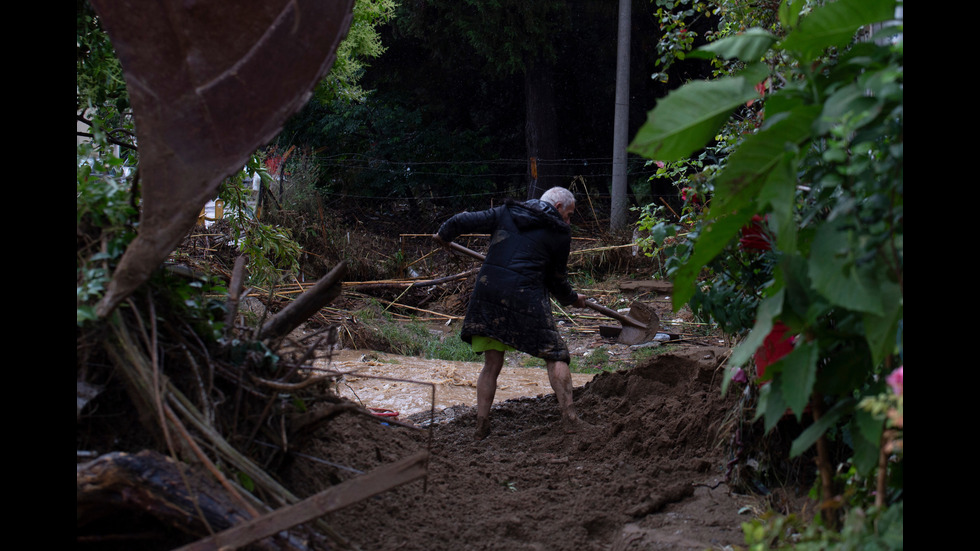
[(482, 428), (575, 425)]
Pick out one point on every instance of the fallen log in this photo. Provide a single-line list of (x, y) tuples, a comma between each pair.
[(195, 506), (307, 304), (149, 483)]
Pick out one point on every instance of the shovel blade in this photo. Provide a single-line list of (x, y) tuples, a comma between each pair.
[(643, 313)]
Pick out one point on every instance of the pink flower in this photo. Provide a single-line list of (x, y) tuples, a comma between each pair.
[(739, 376), (895, 381)]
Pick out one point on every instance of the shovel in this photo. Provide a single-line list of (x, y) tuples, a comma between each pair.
[(640, 326)]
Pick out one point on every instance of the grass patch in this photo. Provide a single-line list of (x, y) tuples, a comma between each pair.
[(597, 361), (407, 339), (451, 348), (526, 360), (413, 338)]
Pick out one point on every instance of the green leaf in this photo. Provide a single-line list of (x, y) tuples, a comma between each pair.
[(789, 13), (778, 195), (689, 117), (834, 25), (865, 436), (814, 431), (835, 273), (769, 309), (246, 481), (760, 153), (771, 405), (748, 46), (880, 330), (799, 375), (850, 104)]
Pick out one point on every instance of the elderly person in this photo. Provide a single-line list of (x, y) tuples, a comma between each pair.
[(510, 307)]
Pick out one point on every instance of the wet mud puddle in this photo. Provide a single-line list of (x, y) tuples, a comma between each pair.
[(405, 384)]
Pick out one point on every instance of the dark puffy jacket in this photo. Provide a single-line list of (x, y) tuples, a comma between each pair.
[(527, 260)]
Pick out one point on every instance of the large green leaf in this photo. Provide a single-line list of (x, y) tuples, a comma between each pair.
[(748, 46), (778, 196), (760, 153), (736, 188), (834, 25), (689, 117), (850, 102), (836, 273), (798, 376)]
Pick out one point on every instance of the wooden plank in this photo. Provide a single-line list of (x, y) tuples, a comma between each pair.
[(330, 500), (657, 285)]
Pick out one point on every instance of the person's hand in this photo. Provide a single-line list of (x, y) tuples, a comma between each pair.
[(440, 241), (580, 301)]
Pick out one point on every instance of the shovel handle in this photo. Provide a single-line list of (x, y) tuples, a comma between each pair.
[(597, 307), (469, 252), (626, 320)]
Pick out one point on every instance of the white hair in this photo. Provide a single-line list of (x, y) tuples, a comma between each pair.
[(557, 195)]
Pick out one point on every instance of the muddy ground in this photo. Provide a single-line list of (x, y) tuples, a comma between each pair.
[(649, 474), (661, 467)]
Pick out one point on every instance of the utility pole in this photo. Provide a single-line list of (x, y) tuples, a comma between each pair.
[(621, 120)]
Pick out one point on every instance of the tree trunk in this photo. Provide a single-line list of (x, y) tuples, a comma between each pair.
[(541, 127), (621, 124)]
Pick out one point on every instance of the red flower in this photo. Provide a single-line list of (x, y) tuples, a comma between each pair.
[(755, 235), (689, 193), (774, 346)]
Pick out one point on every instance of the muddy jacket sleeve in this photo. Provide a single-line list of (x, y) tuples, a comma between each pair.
[(482, 221)]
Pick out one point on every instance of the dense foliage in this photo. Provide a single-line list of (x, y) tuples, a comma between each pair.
[(800, 220)]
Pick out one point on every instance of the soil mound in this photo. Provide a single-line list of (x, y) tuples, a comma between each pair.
[(647, 474)]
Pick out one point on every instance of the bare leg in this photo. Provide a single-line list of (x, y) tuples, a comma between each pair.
[(486, 387), (561, 381)]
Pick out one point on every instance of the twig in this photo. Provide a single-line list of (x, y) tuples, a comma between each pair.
[(408, 283), (609, 248), (664, 201)]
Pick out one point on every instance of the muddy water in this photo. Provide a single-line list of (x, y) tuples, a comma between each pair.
[(369, 378)]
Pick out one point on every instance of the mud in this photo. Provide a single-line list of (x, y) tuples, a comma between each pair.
[(648, 474)]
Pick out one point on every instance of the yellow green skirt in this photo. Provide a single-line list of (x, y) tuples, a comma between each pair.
[(482, 344)]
